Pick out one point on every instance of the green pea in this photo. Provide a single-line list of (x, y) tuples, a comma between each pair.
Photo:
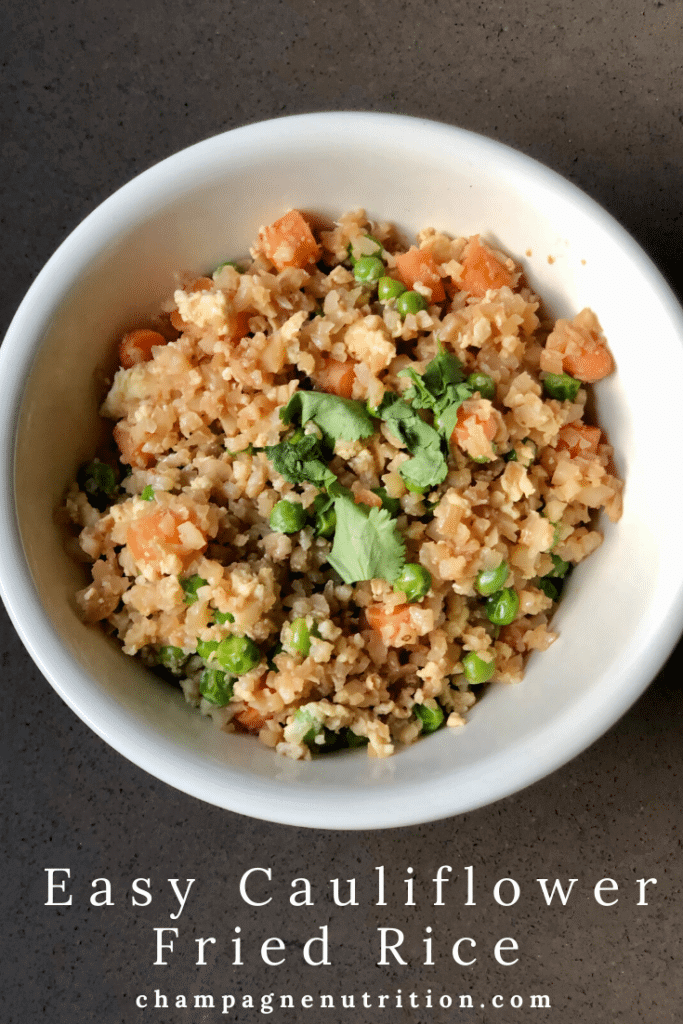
[(98, 481), (172, 658), (490, 580), (414, 580), (228, 263), (484, 384), (557, 529), (288, 516), (388, 289), (477, 670), (432, 718), (326, 523), (511, 456), (561, 386), (502, 607), (353, 740), (560, 567), (331, 741), (148, 493), (237, 655), (321, 503), (222, 617), (324, 515), (551, 584), (392, 505), (306, 717), (360, 248), (550, 588), (190, 586), (205, 648), (368, 270), (216, 687), (410, 302), (300, 637)]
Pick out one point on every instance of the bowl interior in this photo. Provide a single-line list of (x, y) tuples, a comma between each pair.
[(622, 611)]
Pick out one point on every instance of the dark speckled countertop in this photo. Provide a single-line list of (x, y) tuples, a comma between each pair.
[(94, 93)]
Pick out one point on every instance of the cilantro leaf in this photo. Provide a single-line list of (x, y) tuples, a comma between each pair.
[(419, 396), (446, 415), (445, 369), (428, 466), (392, 505), (338, 418), (367, 545), (322, 503), (441, 389), (300, 460)]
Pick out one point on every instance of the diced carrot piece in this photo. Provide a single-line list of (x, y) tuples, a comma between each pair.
[(289, 242), (152, 537), (136, 346), (579, 347), (238, 322), (589, 365), (579, 439), (131, 454), (250, 719), (419, 265), (337, 378), (481, 269), (390, 623), (473, 414)]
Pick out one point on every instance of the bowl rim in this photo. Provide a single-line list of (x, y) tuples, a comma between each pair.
[(512, 771)]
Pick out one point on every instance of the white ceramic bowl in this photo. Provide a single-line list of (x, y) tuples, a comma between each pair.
[(624, 607)]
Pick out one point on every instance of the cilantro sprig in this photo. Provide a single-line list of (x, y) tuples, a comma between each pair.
[(441, 389), (338, 418), (301, 459), (428, 466), (366, 545)]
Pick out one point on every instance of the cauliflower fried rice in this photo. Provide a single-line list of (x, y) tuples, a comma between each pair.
[(349, 479)]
